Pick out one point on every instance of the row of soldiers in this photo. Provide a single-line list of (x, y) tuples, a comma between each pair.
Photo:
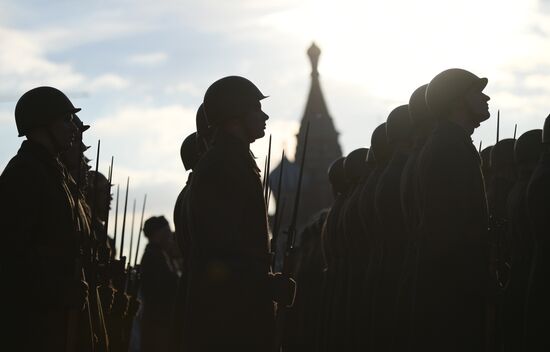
[(430, 244), (413, 255), (65, 288)]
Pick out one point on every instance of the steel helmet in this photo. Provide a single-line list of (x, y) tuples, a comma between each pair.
[(228, 98), (40, 107)]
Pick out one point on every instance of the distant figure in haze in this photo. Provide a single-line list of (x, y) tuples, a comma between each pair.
[(44, 292), (159, 280), (453, 265), (229, 303)]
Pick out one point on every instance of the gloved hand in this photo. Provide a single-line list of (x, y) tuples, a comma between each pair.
[(283, 289)]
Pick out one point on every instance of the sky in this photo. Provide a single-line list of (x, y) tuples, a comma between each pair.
[(139, 69)]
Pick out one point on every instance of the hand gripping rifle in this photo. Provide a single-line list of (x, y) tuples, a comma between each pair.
[(288, 259)]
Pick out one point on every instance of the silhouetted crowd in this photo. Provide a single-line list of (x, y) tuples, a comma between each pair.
[(431, 244)]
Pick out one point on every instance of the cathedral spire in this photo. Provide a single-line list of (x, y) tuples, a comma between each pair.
[(314, 52), (315, 106), (323, 148)]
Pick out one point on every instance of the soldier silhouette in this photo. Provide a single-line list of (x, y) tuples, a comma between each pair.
[(333, 249), (453, 266), (379, 155), (423, 123), (520, 241), (356, 170), (394, 239), (230, 296), (538, 306), (159, 282), (40, 257), (190, 156)]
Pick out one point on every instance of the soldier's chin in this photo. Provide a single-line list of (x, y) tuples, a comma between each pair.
[(260, 134), (484, 116)]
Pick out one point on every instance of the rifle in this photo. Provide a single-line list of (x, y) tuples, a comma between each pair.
[(278, 211), (121, 257), (94, 201), (140, 229), (266, 173), (289, 254), (110, 180), (132, 234), (116, 221)]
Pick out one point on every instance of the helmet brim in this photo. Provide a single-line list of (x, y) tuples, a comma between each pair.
[(482, 83)]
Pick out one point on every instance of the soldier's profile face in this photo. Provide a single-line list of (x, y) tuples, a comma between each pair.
[(255, 122), (64, 131), (477, 101)]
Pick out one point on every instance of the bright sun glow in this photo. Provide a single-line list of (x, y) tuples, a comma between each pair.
[(392, 47)]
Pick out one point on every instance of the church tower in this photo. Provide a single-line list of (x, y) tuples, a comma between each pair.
[(322, 149)]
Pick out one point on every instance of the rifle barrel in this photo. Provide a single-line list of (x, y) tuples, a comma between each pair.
[(94, 194), (132, 232), (140, 228), (268, 164), (116, 220), (124, 220), (110, 180)]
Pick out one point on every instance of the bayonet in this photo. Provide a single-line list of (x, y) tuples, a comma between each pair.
[(266, 175), (110, 180), (116, 221), (124, 223), (515, 130), (132, 234), (140, 228), (95, 243), (480, 144)]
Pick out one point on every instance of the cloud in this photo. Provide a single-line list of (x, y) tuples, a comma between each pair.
[(148, 59), (109, 81), (23, 65), (186, 88)]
